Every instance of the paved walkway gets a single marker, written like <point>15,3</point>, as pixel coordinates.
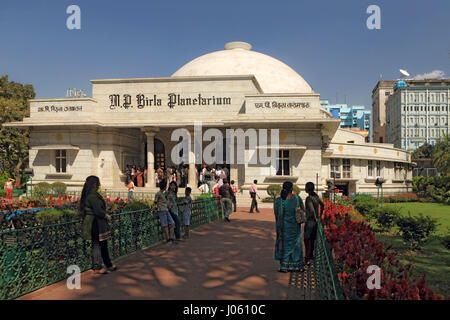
<point>220,261</point>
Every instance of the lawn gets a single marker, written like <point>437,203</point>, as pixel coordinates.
<point>434,258</point>
<point>437,211</point>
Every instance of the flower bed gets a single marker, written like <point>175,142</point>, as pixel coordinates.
<point>354,249</point>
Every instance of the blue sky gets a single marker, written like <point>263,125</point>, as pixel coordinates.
<point>327,42</point>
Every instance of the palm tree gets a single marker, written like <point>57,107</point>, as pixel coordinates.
<point>441,155</point>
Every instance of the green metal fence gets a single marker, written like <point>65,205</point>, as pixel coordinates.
<point>325,271</point>
<point>36,257</point>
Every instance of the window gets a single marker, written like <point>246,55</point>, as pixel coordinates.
<point>61,159</point>
<point>379,173</point>
<point>370,168</point>
<point>335,170</point>
<point>346,168</point>
<point>283,163</point>
<point>398,170</point>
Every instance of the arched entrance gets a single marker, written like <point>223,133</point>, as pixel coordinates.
<point>160,154</point>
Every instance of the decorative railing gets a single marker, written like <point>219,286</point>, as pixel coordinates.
<point>327,280</point>
<point>38,256</point>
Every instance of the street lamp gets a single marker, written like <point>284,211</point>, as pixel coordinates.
<point>379,183</point>
<point>29,173</point>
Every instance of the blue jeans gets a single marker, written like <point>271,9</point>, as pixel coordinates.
<point>177,224</point>
<point>130,195</point>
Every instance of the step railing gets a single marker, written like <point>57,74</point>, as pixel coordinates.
<point>36,257</point>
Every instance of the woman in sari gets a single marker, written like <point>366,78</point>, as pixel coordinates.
<point>140,178</point>
<point>288,245</point>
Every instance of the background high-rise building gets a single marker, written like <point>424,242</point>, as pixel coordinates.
<point>355,118</point>
<point>379,95</point>
<point>417,112</point>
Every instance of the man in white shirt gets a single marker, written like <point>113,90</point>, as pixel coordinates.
<point>254,193</point>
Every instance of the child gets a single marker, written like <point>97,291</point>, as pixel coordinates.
<point>187,212</point>
<point>160,205</point>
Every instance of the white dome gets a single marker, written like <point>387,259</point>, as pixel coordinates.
<point>273,75</point>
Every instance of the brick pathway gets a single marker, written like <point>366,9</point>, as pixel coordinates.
<point>220,261</point>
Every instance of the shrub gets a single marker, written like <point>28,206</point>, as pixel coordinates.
<point>364,204</point>
<point>136,205</point>
<point>296,189</point>
<point>59,188</point>
<point>416,230</point>
<point>436,188</point>
<point>55,215</point>
<point>268,199</point>
<point>446,241</point>
<point>386,217</point>
<point>42,189</point>
<point>274,190</point>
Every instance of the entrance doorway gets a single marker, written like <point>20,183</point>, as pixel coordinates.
<point>160,154</point>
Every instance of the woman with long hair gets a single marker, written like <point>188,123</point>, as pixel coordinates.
<point>95,225</point>
<point>288,245</point>
<point>313,214</point>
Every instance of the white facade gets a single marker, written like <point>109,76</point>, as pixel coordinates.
<point>235,89</point>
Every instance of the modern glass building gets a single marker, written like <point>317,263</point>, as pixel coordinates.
<point>417,112</point>
<point>355,118</point>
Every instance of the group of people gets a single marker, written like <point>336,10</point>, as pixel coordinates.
<point>95,225</point>
<point>294,246</point>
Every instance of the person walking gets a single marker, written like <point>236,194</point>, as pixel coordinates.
<point>172,205</point>
<point>187,206</point>
<point>233,196</point>
<point>160,204</point>
<point>95,225</point>
<point>253,194</point>
<point>9,188</point>
<point>314,210</point>
<point>225,193</point>
<point>288,245</point>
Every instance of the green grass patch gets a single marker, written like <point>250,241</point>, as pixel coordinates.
<point>438,211</point>
<point>433,259</point>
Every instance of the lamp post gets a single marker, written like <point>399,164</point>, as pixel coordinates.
<point>29,172</point>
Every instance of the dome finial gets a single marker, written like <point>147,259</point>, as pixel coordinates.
<point>238,45</point>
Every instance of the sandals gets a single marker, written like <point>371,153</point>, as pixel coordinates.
<point>101,271</point>
<point>112,268</point>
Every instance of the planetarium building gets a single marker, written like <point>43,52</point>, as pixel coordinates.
<point>132,121</point>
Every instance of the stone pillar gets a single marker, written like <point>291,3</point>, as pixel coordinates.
<point>192,178</point>
<point>150,159</point>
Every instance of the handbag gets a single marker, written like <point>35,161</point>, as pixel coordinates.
<point>300,214</point>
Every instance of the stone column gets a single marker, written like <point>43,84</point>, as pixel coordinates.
<point>192,178</point>
<point>150,159</point>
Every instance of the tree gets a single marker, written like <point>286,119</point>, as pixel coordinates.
<point>14,106</point>
<point>441,155</point>
<point>423,152</point>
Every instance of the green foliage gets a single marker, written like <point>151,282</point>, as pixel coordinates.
<point>423,152</point>
<point>268,199</point>
<point>55,215</point>
<point>296,189</point>
<point>204,196</point>
<point>441,155</point>
<point>364,204</point>
<point>434,188</point>
<point>14,141</point>
<point>274,190</point>
<point>385,217</point>
<point>446,241</point>
<point>136,205</point>
<point>59,188</point>
<point>42,189</point>
<point>416,230</point>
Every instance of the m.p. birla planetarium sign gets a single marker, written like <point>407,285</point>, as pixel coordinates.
<point>141,101</point>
